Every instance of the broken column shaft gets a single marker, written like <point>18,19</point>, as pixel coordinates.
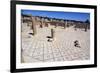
<point>52,33</point>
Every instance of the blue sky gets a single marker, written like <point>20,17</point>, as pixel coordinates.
<point>60,15</point>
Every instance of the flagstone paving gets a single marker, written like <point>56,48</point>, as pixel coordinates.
<point>37,49</point>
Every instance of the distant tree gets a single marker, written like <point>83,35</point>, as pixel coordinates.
<point>87,21</point>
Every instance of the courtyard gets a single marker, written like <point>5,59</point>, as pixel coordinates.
<point>37,48</point>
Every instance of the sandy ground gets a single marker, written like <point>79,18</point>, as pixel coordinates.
<point>37,49</point>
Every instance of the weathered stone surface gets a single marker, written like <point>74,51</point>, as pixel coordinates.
<point>38,49</point>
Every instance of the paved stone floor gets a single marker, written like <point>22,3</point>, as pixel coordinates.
<point>38,49</point>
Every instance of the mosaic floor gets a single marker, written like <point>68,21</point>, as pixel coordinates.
<point>38,49</point>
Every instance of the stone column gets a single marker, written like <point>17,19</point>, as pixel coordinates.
<point>55,25</point>
<point>85,27</point>
<point>52,34</point>
<point>65,24</point>
<point>33,25</point>
<point>28,23</point>
<point>42,23</point>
